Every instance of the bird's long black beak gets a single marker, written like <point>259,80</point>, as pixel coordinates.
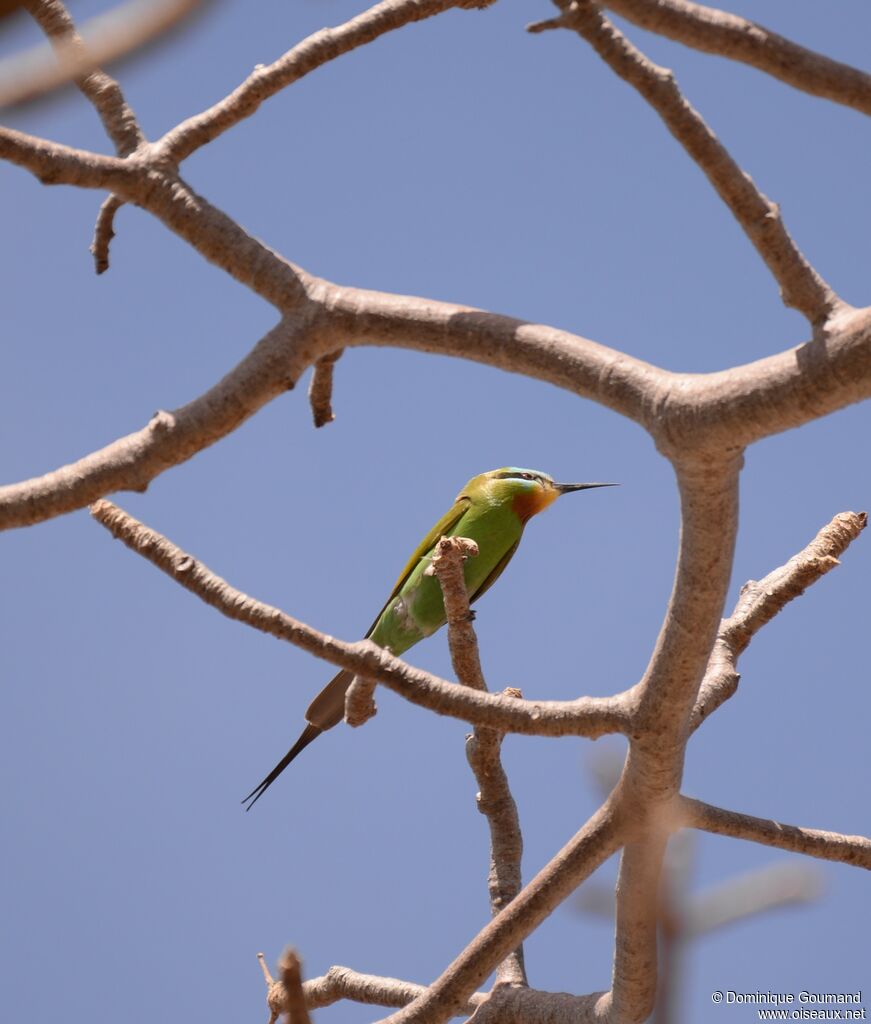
<point>567,488</point>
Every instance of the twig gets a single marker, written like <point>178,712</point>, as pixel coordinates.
<point>320,392</point>
<point>760,602</point>
<point>833,846</point>
<point>78,62</point>
<point>343,983</point>
<point>294,997</point>
<point>104,232</point>
<point>586,716</point>
<point>800,285</point>
<point>483,747</point>
<point>267,80</point>
<point>728,35</point>
<point>274,991</point>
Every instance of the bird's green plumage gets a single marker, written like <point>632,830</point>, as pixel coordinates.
<point>492,510</point>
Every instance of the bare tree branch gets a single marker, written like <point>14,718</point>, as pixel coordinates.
<point>587,716</point>
<point>833,846</point>
<point>801,286</point>
<point>728,35</point>
<point>323,46</point>
<point>591,846</point>
<point>760,602</point>
<point>447,564</point>
<point>483,747</point>
<point>109,36</point>
<point>103,92</point>
<point>343,983</point>
<point>55,164</point>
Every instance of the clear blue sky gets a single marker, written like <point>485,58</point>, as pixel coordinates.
<point>464,160</point>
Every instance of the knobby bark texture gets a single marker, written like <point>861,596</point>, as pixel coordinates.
<point>701,422</point>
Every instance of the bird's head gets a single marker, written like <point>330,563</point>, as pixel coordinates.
<point>529,491</point>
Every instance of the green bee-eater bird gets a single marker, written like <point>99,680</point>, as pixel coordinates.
<point>492,510</point>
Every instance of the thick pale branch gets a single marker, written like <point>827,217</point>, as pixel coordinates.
<point>667,693</point>
<point>586,716</point>
<point>728,35</point>
<point>317,49</point>
<point>801,287</point>
<point>760,602</point>
<point>102,90</point>
<point>357,316</point>
<point>635,972</point>
<point>55,164</point>
<point>593,844</point>
<point>131,462</point>
<point>833,846</point>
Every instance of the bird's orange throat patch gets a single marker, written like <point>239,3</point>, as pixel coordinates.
<point>534,501</point>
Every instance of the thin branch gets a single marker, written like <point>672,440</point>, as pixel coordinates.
<point>76,62</point>
<point>760,602</point>
<point>599,838</point>
<point>295,1007</point>
<point>266,80</point>
<point>447,565</point>
<point>587,716</point>
<point>320,392</point>
<point>343,983</point>
<point>855,850</point>
<point>728,35</point>
<point>104,232</point>
<point>800,285</point>
<point>483,747</point>
<point>109,36</point>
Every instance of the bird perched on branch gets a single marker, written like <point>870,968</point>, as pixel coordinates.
<point>492,510</point>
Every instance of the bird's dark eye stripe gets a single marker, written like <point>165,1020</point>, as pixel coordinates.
<point>519,476</point>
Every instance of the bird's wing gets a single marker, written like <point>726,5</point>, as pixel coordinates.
<point>443,527</point>
<point>498,569</point>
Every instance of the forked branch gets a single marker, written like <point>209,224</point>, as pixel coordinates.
<point>801,286</point>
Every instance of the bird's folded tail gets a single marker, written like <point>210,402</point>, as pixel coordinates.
<point>325,711</point>
<point>311,732</point>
